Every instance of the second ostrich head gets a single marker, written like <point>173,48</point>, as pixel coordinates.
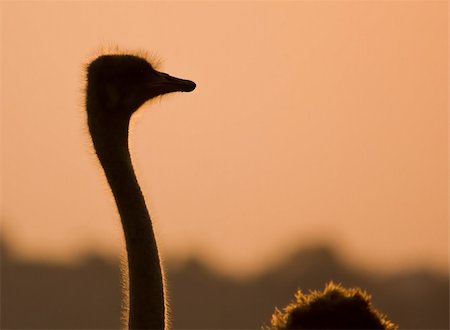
<point>119,84</point>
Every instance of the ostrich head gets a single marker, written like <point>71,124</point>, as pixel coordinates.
<point>119,84</point>
<point>334,308</point>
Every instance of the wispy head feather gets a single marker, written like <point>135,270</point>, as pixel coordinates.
<point>113,49</point>
<point>334,308</point>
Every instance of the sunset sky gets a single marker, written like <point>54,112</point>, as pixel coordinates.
<point>311,122</point>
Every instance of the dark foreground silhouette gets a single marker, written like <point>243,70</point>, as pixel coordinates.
<point>335,307</point>
<point>87,295</point>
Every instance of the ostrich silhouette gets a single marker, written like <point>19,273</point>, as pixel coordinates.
<point>335,307</point>
<point>117,85</point>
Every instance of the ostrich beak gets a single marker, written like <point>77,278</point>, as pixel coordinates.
<point>167,84</point>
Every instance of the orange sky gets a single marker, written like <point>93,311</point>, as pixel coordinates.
<point>310,121</point>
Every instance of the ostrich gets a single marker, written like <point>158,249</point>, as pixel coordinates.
<point>117,85</point>
<point>335,307</point>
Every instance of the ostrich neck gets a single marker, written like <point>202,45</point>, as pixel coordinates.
<point>146,293</point>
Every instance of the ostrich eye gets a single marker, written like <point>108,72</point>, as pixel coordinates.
<point>139,74</point>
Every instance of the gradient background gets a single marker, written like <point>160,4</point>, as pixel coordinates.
<point>311,121</point>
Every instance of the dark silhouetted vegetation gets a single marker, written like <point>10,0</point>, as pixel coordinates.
<point>88,294</point>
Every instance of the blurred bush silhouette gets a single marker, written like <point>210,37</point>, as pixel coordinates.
<point>87,295</point>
